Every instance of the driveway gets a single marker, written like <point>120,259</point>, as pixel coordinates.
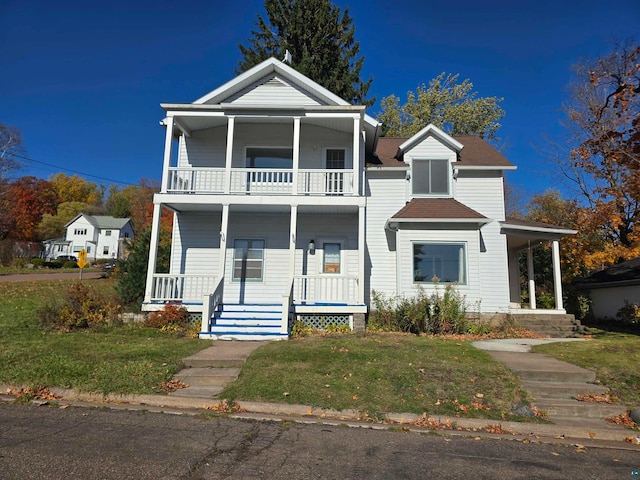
<point>25,277</point>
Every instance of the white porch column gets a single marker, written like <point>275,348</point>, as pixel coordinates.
<point>168,141</point>
<point>296,154</point>
<point>293,232</point>
<point>229,154</point>
<point>356,155</point>
<point>153,252</point>
<point>531,277</point>
<point>557,277</point>
<point>224,227</point>
<point>361,252</point>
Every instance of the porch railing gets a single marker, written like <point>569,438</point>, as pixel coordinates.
<point>168,287</point>
<point>260,181</point>
<point>330,289</point>
<point>196,180</point>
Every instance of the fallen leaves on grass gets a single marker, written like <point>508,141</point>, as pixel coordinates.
<point>173,385</point>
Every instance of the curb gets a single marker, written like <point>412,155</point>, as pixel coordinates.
<point>601,437</point>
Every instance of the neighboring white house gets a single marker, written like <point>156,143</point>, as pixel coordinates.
<point>100,236</point>
<point>288,204</point>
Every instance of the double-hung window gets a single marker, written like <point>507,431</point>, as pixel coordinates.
<point>439,262</point>
<point>248,260</point>
<point>430,177</point>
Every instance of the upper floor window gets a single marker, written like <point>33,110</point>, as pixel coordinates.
<point>107,233</point>
<point>335,158</point>
<point>80,231</point>
<point>430,177</point>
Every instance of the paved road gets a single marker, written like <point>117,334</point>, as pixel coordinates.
<point>25,277</point>
<point>79,443</point>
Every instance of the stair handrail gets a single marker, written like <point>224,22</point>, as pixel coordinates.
<point>287,299</point>
<point>210,304</point>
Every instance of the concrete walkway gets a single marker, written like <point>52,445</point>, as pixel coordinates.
<point>553,384</point>
<point>207,372</point>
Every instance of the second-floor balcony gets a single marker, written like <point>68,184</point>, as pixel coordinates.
<point>260,181</point>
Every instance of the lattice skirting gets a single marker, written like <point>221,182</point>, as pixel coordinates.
<point>321,322</point>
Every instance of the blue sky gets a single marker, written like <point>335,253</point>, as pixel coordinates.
<point>83,82</point>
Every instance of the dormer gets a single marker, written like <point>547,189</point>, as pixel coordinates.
<point>431,156</point>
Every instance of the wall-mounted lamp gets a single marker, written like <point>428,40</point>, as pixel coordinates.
<point>312,246</point>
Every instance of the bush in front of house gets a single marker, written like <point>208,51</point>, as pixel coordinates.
<point>81,307</point>
<point>442,312</point>
<point>172,318</point>
<point>629,314</point>
<point>37,262</point>
<point>70,264</point>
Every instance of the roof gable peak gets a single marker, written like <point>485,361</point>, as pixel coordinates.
<point>432,130</point>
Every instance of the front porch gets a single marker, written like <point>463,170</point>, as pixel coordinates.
<point>252,268</point>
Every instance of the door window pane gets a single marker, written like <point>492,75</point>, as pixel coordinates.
<point>331,258</point>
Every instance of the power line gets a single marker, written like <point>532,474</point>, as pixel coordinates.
<point>73,171</point>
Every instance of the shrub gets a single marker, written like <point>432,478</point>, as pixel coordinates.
<point>53,264</point>
<point>82,307</point>
<point>447,312</point>
<point>70,264</point>
<point>629,314</point>
<point>37,262</point>
<point>172,318</point>
<point>440,313</point>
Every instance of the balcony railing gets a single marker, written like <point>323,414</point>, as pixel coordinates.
<point>329,289</point>
<point>168,287</point>
<point>260,181</point>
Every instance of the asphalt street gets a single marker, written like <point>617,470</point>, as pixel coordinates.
<point>50,442</point>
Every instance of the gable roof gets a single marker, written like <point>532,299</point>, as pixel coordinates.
<point>437,210</point>
<point>475,153</point>
<point>431,131</point>
<point>101,221</point>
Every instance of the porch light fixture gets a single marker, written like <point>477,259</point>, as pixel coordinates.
<point>312,246</point>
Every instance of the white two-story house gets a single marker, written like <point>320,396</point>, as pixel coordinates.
<point>100,236</point>
<point>289,205</point>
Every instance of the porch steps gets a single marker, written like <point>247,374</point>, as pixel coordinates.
<point>550,325</point>
<point>247,322</point>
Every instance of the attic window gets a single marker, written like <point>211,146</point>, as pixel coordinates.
<point>430,177</point>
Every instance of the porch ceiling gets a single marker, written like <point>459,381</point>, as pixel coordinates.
<point>262,208</point>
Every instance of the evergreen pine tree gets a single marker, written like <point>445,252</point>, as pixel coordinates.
<point>320,40</point>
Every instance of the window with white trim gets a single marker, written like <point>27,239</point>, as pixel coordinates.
<point>248,260</point>
<point>430,177</point>
<point>107,233</point>
<point>105,250</point>
<point>439,262</point>
<point>80,231</point>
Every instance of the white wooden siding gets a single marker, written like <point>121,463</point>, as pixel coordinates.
<point>386,196</point>
<point>196,244</point>
<point>406,237</point>
<point>482,191</point>
<point>274,229</point>
<point>272,91</point>
<point>204,148</point>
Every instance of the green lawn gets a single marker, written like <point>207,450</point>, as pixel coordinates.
<point>615,357</point>
<point>125,359</point>
<point>380,373</point>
